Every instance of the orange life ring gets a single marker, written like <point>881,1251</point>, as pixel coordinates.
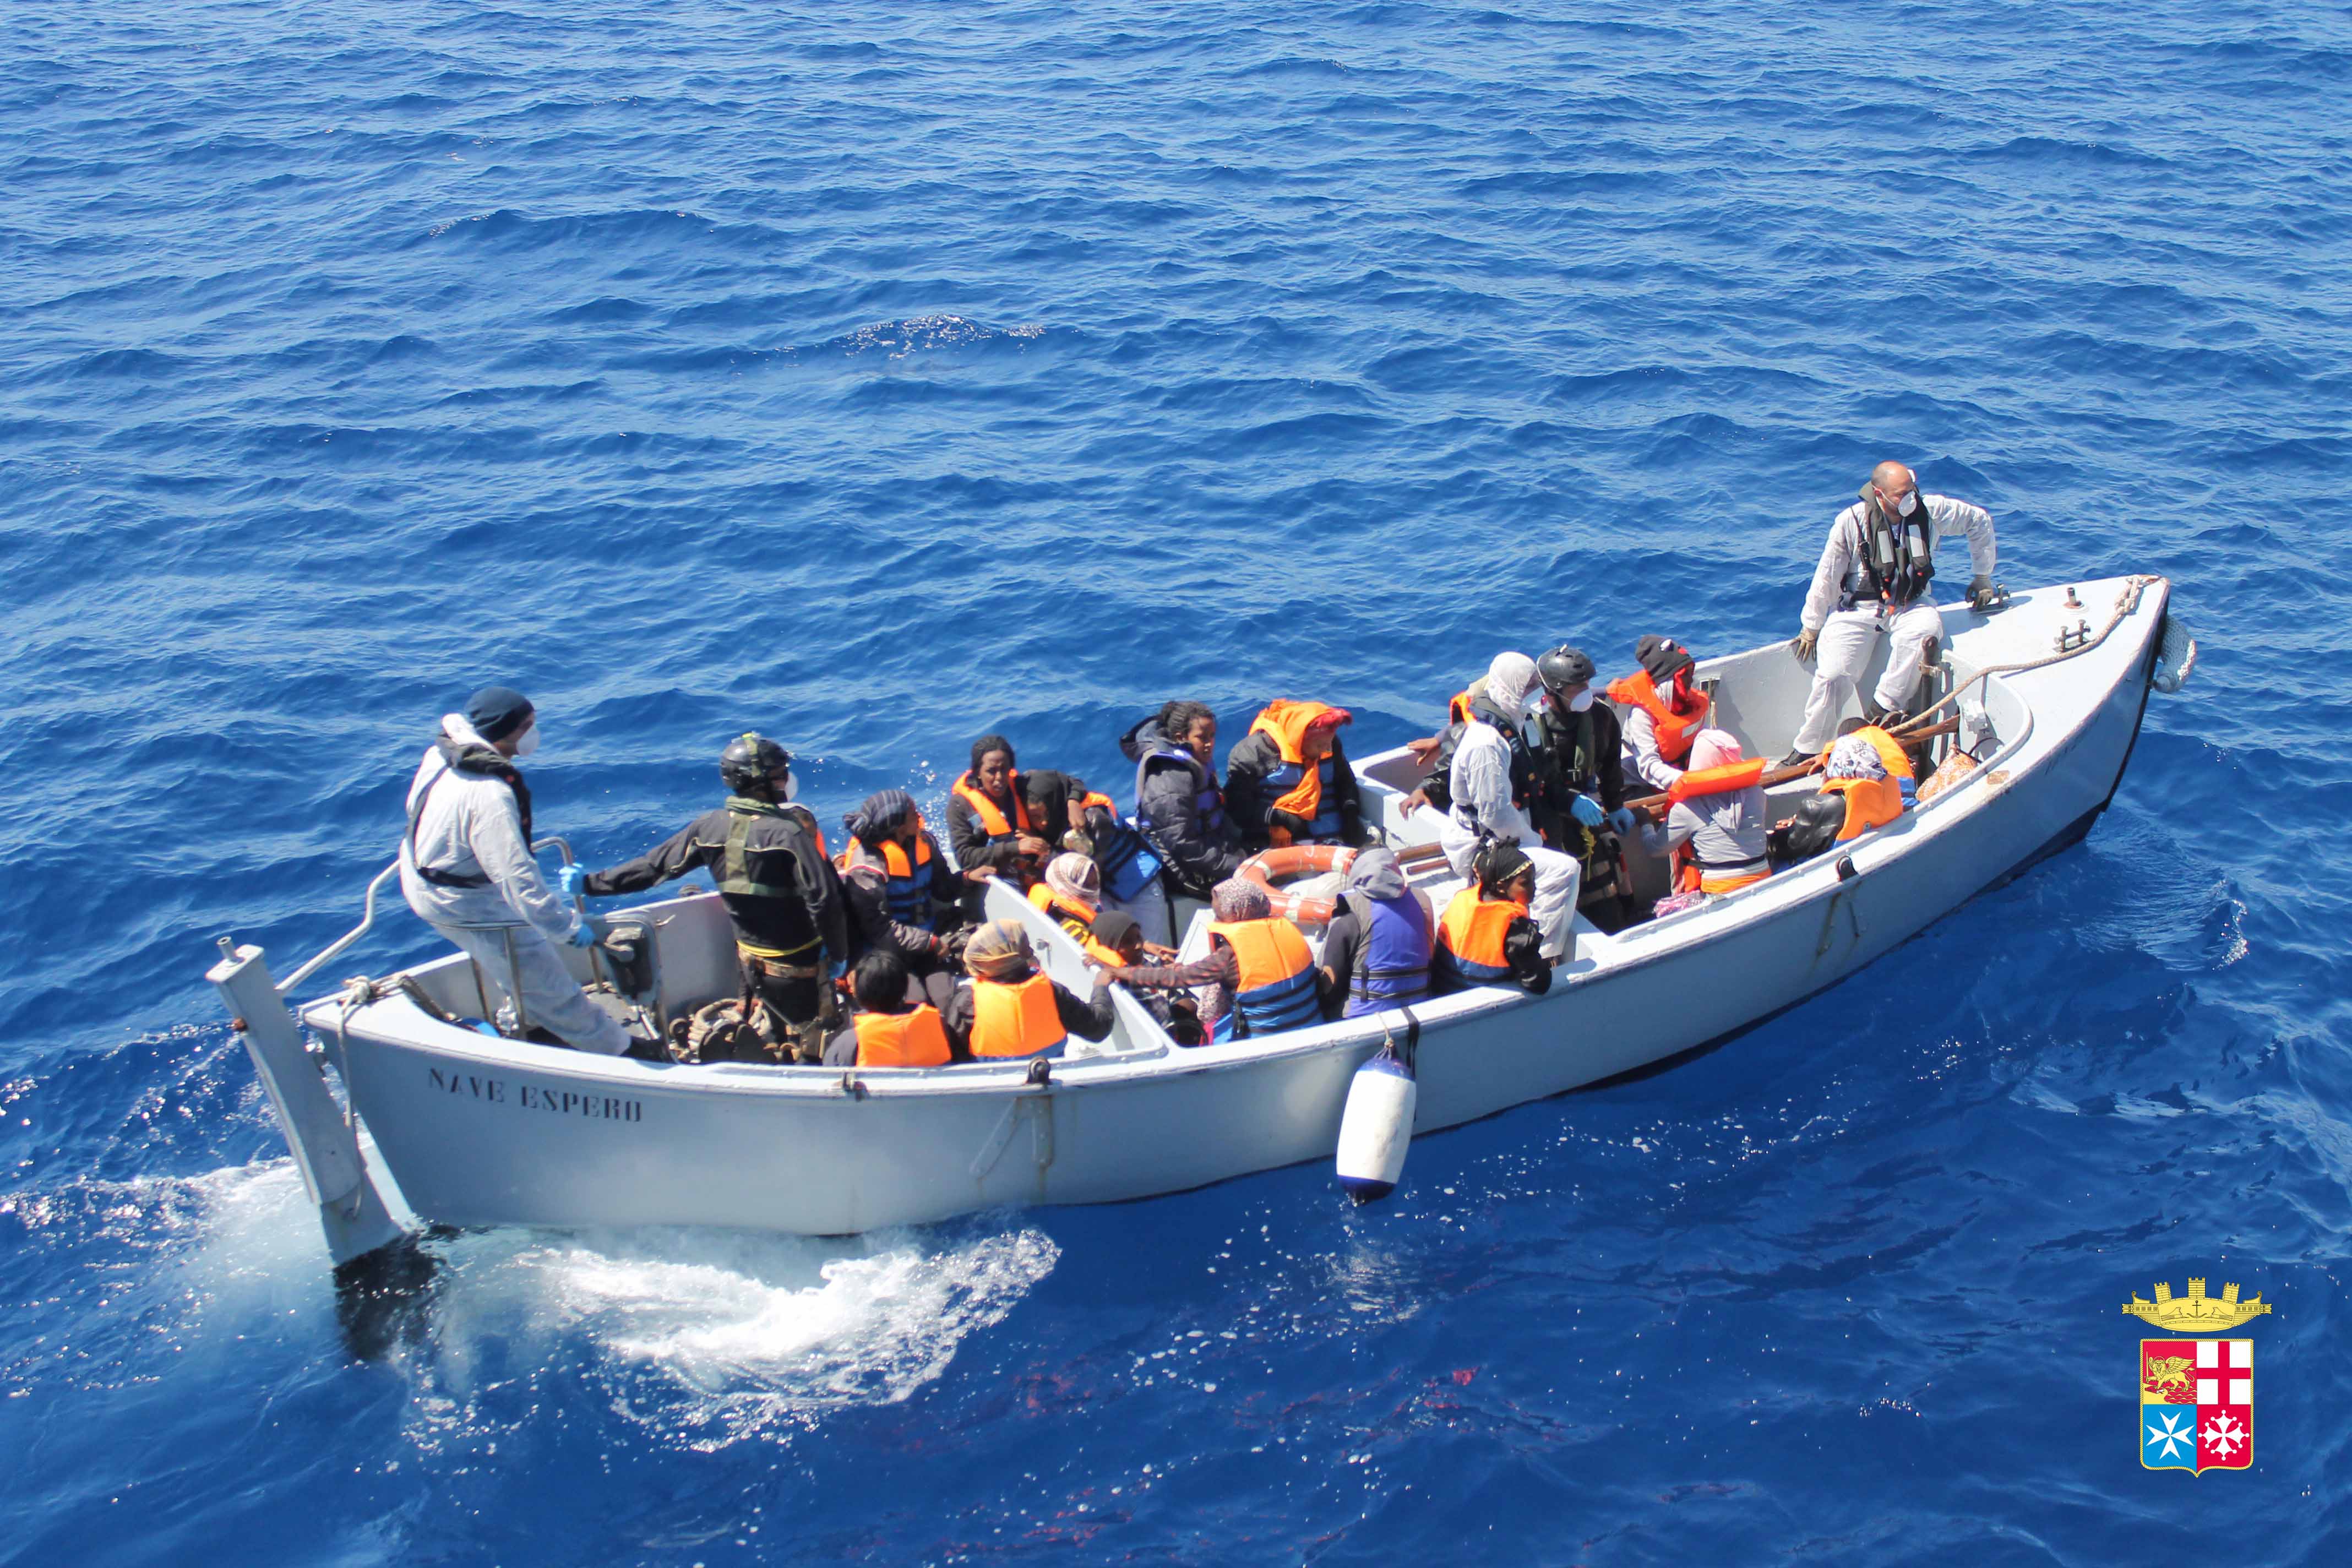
<point>1297,860</point>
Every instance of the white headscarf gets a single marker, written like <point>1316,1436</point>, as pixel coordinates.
<point>1713,749</point>
<point>1509,678</point>
<point>1853,758</point>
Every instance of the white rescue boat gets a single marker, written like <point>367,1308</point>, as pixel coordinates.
<point>475,1129</point>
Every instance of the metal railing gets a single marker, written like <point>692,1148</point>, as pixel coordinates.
<point>367,917</point>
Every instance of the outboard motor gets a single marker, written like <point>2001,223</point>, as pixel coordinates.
<point>1376,1129</point>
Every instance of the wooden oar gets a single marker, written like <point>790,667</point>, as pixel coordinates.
<point>1656,806</point>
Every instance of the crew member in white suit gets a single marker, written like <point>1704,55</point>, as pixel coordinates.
<point>1491,782</point>
<point>467,869</point>
<point>1872,582</point>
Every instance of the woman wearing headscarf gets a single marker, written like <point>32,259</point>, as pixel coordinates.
<point>1491,783</point>
<point>1070,817</point>
<point>1010,1009</point>
<point>1485,937</point>
<point>1716,819</point>
<point>1176,1011</point>
<point>1259,976</point>
<point>902,894</point>
<point>1070,893</point>
<point>1377,948</point>
<point>989,826</point>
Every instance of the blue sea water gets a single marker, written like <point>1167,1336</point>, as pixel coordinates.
<point>879,375</point>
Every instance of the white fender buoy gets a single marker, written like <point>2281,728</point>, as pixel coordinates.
<point>1376,1129</point>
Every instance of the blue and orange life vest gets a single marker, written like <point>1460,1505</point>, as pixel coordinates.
<point>1470,937</point>
<point>1128,865</point>
<point>1291,786</point>
<point>999,827</point>
<point>907,886</point>
<point>1393,953</point>
<point>1015,1019</point>
<point>1275,988</point>
<point>915,1039</point>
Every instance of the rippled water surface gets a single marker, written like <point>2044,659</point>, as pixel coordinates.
<point>877,376</point>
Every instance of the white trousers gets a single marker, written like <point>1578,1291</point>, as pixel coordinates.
<point>1848,638</point>
<point>1149,909</point>
<point>552,999</point>
<point>1557,875</point>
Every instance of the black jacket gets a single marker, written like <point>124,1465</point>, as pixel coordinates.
<point>1198,854</point>
<point>1251,806</point>
<point>1558,780</point>
<point>780,850</point>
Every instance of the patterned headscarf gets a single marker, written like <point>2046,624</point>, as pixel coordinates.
<point>1854,758</point>
<point>998,951</point>
<point>1075,876</point>
<point>1235,899</point>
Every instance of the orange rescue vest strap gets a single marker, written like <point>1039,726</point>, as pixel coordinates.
<point>993,820</point>
<point>1017,1020</point>
<point>915,1039</point>
<point>1675,731</point>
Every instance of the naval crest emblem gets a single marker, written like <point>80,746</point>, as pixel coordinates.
<point>2197,1313</point>
<point>2197,1396</point>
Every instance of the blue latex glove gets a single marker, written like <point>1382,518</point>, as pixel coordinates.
<point>1621,822</point>
<point>570,880</point>
<point>586,933</point>
<point>1587,811</point>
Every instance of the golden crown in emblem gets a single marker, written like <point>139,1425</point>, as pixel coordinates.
<point>2197,1312</point>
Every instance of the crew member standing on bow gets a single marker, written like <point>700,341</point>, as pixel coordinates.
<point>1491,783</point>
<point>1663,711</point>
<point>901,893</point>
<point>989,826</point>
<point>466,868</point>
<point>1288,782</point>
<point>1177,802</point>
<point>1578,747</point>
<point>1715,818</point>
<point>790,933</point>
<point>1873,581</point>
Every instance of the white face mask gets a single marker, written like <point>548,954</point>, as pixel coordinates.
<point>528,741</point>
<point>791,786</point>
<point>1580,701</point>
<point>1909,504</point>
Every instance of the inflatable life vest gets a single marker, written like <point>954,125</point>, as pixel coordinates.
<point>1275,986</point>
<point>915,1039</point>
<point>1874,802</point>
<point>1077,919</point>
<point>1693,875</point>
<point>1894,559</point>
<point>1303,792</point>
<point>1470,938</point>
<point>1674,729</point>
<point>1015,1020</point>
<point>1128,865</point>
<point>993,821</point>
<point>1392,955</point>
<point>907,886</point>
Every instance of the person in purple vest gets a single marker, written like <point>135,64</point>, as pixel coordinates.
<point>1376,950</point>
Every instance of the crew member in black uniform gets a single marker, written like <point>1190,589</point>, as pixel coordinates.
<point>791,934</point>
<point>1576,746</point>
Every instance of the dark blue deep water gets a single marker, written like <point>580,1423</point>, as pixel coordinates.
<point>879,374</point>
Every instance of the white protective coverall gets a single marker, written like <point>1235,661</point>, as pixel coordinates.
<point>472,826</point>
<point>1848,636</point>
<point>1480,782</point>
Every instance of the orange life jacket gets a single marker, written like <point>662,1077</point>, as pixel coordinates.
<point>1470,938</point>
<point>1691,876</point>
<point>1078,919</point>
<point>915,1039</point>
<point>1674,729</point>
<point>908,882</point>
<point>1273,988</point>
<point>993,821</point>
<point>1288,723</point>
<point>1015,1020</point>
<point>1457,708</point>
<point>1872,803</point>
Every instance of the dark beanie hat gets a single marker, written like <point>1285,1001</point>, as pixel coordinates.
<point>1661,657</point>
<point>497,712</point>
<point>1112,926</point>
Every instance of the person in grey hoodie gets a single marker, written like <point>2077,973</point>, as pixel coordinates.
<point>1177,801</point>
<point>466,868</point>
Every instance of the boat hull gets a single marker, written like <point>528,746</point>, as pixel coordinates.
<point>480,1131</point>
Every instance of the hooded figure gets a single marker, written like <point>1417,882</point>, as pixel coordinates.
<point>1718,811</point>
<point>1178,805</point>
<point>465,868</point>
<point>1377,949</point>
<point>1491,784</point>
<point>1663,709</point>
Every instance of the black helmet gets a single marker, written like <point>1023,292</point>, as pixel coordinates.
<point>749,761</point>
<point>1563,667</point>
